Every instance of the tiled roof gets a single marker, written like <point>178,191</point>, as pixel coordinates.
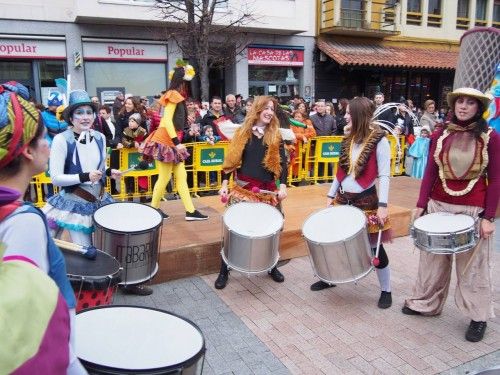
<point>349,54</point>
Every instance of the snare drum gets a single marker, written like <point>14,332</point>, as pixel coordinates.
<point>138,340</point>
<point>94,281</point>
<point>131,233</point>
<point>445,233</point>
<point>251,237</point>
<point>338,244</point>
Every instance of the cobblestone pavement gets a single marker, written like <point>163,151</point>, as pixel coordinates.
<point>231,347</point>
<point>256,326</point>
<point>341,330</point>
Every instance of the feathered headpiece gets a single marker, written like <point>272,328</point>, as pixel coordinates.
<point>189,72</point>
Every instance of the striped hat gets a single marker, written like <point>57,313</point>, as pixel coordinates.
<point>18,121</point>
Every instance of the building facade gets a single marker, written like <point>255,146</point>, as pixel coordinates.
<point>106,46</point>
<point>403,48</point>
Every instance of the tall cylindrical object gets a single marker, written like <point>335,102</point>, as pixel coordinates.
<point>478,58</point>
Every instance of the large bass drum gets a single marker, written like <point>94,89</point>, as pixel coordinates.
<point>251,237</point>
<point>131,233</point>
<point>138,340</point>
<point>338,244</point>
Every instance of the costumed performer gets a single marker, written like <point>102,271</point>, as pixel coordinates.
<point>257,157</point>
<point>164,146</point>
<point>462,177</point>
<point>78,165</point>
<point>364,157</point>
<point>24,153</point>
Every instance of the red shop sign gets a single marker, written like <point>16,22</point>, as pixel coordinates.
<point>275,56</point>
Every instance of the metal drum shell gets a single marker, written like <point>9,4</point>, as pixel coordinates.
<point>445,242</point>
<point>343,261</point>
<point>251,254</point>
<point>137,251</point>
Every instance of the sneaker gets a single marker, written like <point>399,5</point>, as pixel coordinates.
<point>385,300</point>
<point>320,285</point>
<point>163,214</point>
<point>276,275</point>
<point>407,311</point>
<point>138,290</point>
<point>196,215</point>
<point>475,332</point>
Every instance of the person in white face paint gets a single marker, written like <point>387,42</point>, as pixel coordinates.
<point>78,166</point>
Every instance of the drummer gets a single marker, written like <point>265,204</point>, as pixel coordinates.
<point>257,156</point>
<point>24,153</point>
<point>78,166</point>
<point>364,156</point>
<point>462,177</point>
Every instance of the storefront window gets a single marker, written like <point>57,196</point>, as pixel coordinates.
<point>273,80</point>
<point>137,78</point>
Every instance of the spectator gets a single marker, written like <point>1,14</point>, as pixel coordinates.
<point>213,114</point>
<point>343,103</point>
<point>429,118</point>
<point>106,126</point>
<point>205,106</point>
<point>130,107</point>
<point>296,100</point>
<point>232,111</point>
<point>134,133</point>
<point>404,120</point>
<point>117,105</point>
<point>419,151</point>
<point>49,116</point>
<point>209,136</point>
<point>387,117</point>
<point>239,100</point>
<point>95,100</point>
<point>323,123</point>
<point>330,110</point>
<point>302,136</point>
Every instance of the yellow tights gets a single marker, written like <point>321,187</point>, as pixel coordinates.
<point>165,173</point>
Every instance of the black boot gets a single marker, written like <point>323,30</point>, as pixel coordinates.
<point>320,285</point>
<point>221,281</point>
<point>475,332</point>
<point>276,275</point>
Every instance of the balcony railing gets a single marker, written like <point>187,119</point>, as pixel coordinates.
<point>434,20</point>
<point>463,23</point>
<point>367,17</point>
<point>414,18</point>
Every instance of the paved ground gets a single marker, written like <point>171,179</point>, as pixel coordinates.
<point>256,326</point>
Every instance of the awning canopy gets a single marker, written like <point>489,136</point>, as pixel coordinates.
<point>365,54</point>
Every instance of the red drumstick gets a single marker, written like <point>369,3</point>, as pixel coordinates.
<point>223,198</point>
<point>375,260</point>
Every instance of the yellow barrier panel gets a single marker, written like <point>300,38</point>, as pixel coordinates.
<point>315,161</point>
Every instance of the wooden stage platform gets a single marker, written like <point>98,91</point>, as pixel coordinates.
<point>193,248</point>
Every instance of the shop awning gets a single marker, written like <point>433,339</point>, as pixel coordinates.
<point>364,54</point>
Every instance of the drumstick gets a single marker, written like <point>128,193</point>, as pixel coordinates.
<point>375,260</point>
<point>472,255</point>
<point>89,252</point>
<point>139,167</point>
<point>256,190</point>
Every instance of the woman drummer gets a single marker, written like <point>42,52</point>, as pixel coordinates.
<point>364,157</point>
<point>462,177</point>
<point>24,153</point>
<point>257,154</point>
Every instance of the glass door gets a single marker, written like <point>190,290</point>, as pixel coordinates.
<point>20,71</point>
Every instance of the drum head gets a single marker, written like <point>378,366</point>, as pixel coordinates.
<point>127,217</point>
<point>103,269</point>
<point>253,219</point>
<point>443,222</point>
<point>136,338</point>
<point>334,224</point>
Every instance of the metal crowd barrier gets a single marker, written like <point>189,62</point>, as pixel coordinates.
<point>313,162</point>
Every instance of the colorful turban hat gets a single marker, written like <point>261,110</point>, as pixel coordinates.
<point>18,121</point>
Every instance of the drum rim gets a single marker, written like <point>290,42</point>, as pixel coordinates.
<point>189,362</point>
<point>331,242</point>
<point>86,280</point>
<point>97,225</point>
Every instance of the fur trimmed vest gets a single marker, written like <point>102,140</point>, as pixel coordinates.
<point>233,157</point>
<point>365,169</point>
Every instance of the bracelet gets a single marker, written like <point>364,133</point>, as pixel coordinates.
<point>490,219</point>
<point>329,196</point>
<point>382,204</point>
